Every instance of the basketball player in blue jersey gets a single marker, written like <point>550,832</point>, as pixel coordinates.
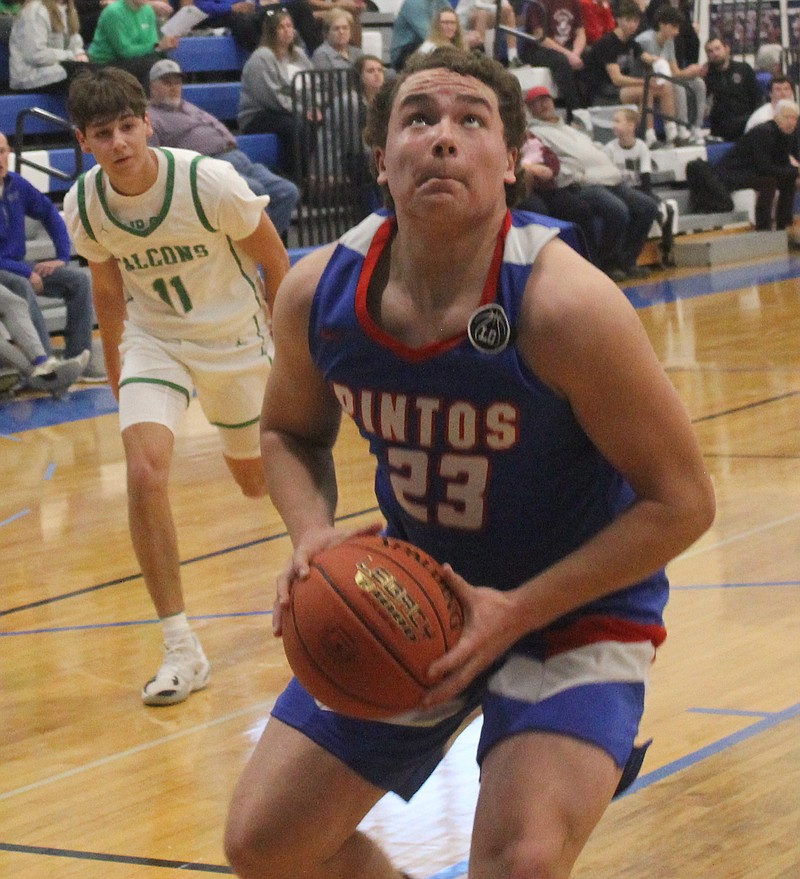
<point>174,241</point>
<point>526,435</point>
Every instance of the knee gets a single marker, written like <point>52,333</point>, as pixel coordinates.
<point>534,859</point>
<point>253,851</point>
<point>147,474</point>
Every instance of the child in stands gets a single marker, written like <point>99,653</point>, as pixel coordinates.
<point>632,156</point>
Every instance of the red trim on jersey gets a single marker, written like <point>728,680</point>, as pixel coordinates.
<point>415,355</point>
<point>592,629</point>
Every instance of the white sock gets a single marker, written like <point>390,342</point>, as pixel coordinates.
<point>512,53</point>
<point>650,137</point>
<point>175,628</point>
<point>671,131</point>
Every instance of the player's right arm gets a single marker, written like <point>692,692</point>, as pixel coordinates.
<point>299,425</point>
<point>109,305</point>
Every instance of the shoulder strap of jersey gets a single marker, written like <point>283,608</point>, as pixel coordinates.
<point>198,205</point>
<point>83,213</point>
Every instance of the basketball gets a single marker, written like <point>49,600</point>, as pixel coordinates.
<point>365,625</point>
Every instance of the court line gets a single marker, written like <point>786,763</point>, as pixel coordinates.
<point>16,516</point>
<point>200,558</point>
<point>138,749</point>
<point>754,585</point>
<point>692,552</point>
<point>767,721</point>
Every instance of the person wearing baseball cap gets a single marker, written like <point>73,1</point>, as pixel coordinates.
<point>183,125</point>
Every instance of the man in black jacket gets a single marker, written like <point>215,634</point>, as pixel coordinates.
<point>762,160</point>
<point>734,90</point>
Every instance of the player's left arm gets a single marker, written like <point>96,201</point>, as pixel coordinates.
<point>582,338</point>
<point>265,247</point>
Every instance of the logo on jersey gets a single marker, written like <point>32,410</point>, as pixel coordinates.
<point>489,330</point>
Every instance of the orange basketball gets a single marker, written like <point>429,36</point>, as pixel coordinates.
<point>365,625</point>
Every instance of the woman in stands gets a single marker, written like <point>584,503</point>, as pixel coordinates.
<point>337,51</point>
<point>45,47</point>
<point>445,31</point>
<point>265,100</point>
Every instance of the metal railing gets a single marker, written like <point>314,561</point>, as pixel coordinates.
<point>19,144</point>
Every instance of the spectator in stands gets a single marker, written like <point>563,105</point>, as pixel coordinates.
<point>22,349</point>
<point>127,36</point>
<point>320,8</point>
<point>445,30</point>
<point>780,89</point>
<point>179,123</point>
<point>544,194</point>
<point>627,214</point>
<point>761,159</point>
<point>89,14</point>
<point>411,28</point>
<point>612,73</point>
<point>265,101</point>
<point>733,88</point>
<point>687,43</point>
<point>660,43</point>
<point>53,278</point>
<point>557,26</point>
<point>769,59</point>
<point>632,156</point>
<point>8,15</point>
<point>337,50</point>
<point>373,75</point>
<point>46,47</point>
<point>598,19</point>
<point>368,194</point>
<point>477,16</point>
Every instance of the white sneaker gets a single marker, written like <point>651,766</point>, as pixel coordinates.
<point>184,670</point>
<point>55,376</point>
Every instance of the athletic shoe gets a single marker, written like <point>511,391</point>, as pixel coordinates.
<point>184,670</point>
<point>55,376</point>
<point>95,372</point>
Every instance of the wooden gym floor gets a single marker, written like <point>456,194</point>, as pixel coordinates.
<point>94,785</point>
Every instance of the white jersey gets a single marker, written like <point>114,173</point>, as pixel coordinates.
<point>184,275</point>
<point>632,161</point>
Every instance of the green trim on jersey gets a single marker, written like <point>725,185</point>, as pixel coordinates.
<point>83,213</point>
<point>249,423</point>
<point>198,206</point>
<point>157,381</point>
<point>156,221</point>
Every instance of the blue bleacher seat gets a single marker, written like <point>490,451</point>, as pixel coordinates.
<point>12,105</point>
<point>263,148</point>
<point>209,54</point>
<point>221,99</point>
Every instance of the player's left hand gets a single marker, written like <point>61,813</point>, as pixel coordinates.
<point>487,634</point>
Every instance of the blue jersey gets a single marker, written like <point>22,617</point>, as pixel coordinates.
<point>478,461</point>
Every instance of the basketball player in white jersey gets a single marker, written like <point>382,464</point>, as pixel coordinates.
<point>174,241</point>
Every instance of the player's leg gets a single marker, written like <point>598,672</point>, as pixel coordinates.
<point>295,811</point>
<point>249,475</point>
<point>541,796</point>
<point>155,390</point>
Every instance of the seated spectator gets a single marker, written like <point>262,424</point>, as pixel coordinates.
<point>627,214</point>
<point>411,28</point>
<point>687,43</point>
<point>181,124</point>
<point>780,89</point>
<point>21,349</point>
<point>89,14</point>
<point>265,99</point>
<point>769,59</point>
<point>544,194</point>
<point>46,47</point>
<point>733,88</point>
<point>445,30</point>
<point>660,43</point>
<point>632,156</point>
<point>337,50</point>
<point>761,159</point>
<point>477,16</point>
<point>127,36</point>
<point>372,76</point>
<point>8,15</point>
<point>558,28</point>
<point>598,19</point>
<point>53,278</point>
<point>612,75</point>
<point>320,8</point>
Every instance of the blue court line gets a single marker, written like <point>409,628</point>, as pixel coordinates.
<point>759,585</point>
<point>767,722</point>
<point>21,415</point>
<point>13,439</point>
<point>200,558</point>
<point>121,624</point>
<point>48,473</point>
<point>16,516</point>
<point>730,712</point>
<point>712,281</point>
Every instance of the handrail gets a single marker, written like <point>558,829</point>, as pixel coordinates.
<point>691,103</point>
<point>59,122</point>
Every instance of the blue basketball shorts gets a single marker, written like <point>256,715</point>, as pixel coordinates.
<point>593,692</point>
